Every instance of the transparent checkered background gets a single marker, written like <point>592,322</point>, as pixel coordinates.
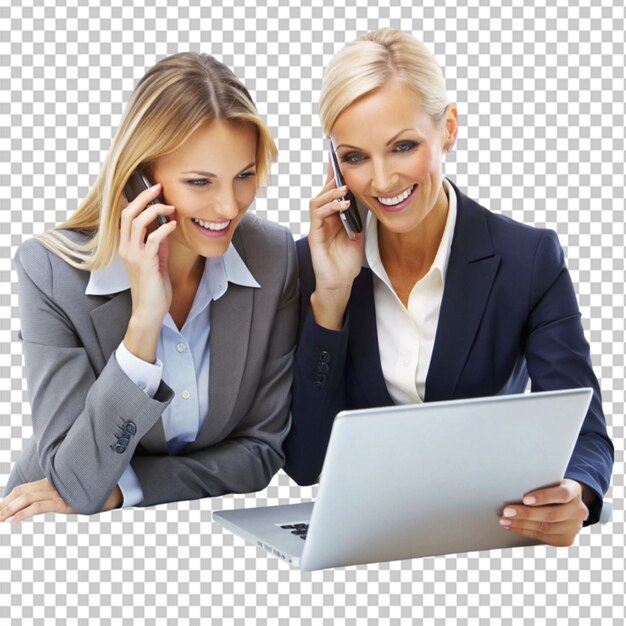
<point>540,93</point>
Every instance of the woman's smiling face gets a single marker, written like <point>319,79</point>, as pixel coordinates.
<point>211,181</point>
<point>390,151</point>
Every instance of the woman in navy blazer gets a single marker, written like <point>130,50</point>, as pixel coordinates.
<point>491,299</point>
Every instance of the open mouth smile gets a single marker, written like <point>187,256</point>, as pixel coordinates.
<point>397,202</point>
<point>211,229</point>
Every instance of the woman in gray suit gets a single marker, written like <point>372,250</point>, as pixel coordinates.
<point>158,355</point>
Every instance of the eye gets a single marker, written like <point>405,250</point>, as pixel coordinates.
<point>245,175</point>
<point>199,182</point>
<point>406,146</point>
<point>352,158</point>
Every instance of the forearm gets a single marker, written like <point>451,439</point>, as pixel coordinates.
<point>318,395</point>
<point>328,307</point>
<point>238,465</point>
<point>78,440</point>
<point>590,465</point>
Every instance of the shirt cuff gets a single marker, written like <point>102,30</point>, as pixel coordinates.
<point>147,376</point>
<point>129,484</point>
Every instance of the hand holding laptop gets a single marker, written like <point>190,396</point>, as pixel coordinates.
<point>553,516</point>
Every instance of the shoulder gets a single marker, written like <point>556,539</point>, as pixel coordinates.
<point>269,252</point>
<point>508,237</point>
<point>258,238</point>
<point>253,227</point>
<point>44,267</point>
<point>36,249</point>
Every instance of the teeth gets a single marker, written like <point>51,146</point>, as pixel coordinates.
<point>397,199</point>
<point>211,225</point>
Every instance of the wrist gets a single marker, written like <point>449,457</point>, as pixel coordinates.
<point>588,496</point>
<point>141,339</point>
<point>115,500</point>
<point>328,307</point>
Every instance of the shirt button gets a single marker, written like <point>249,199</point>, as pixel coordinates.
<point>185,394</point>
<point>181,347</point>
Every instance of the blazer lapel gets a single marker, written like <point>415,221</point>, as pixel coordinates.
<point>231,322</point>
<point>110,322</point>
<point>471,271</point>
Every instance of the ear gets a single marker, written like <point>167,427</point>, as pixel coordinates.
<point>451,127</point>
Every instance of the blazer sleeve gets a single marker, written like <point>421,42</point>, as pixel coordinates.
<point>558,357</point>
<point>86,425</point>
<point>319,383</point>
<point>247,459</point>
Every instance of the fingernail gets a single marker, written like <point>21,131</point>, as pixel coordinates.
<point>509,512</point>
<point>154,187</point>
<point>529,500</point>
<point>505,522</point>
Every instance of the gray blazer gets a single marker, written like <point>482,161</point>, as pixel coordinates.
<point>82,402</point>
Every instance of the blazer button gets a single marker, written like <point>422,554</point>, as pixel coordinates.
<point>130,428</point>
<point>322,366</point>
<point>123,441</point>
<point>120,449</point>
<point>320,378</point>
<point>325,356</point>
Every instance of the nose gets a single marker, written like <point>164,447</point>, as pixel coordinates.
<point>226,205</point>
<point>383,178</point>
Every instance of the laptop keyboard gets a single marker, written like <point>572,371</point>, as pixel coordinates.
<point>299,529</point>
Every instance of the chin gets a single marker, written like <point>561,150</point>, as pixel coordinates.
<point>214,249</point>
<point>401,227</point>
<point>401,222</point>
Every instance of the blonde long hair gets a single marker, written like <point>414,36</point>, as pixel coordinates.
<point>371,61</point>
<point>169,103</point>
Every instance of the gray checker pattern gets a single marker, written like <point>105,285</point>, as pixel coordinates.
<point>540,92</point>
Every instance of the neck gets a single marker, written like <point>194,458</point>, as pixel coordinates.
<point>185,268</point>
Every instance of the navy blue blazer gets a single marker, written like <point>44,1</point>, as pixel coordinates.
<point>509,312</point>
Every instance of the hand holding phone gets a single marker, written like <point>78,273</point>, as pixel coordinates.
<point>350,217</point>
<point>150,284</point>
<point>137,183</point>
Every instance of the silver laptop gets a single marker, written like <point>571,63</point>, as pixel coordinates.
<point>421,480</point>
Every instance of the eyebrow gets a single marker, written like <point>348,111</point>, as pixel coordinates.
<point>211,175</point>
<point>345,145</point>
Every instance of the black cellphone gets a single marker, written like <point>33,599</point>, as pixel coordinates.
<point>350,217</point>
<point>137,183</point>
